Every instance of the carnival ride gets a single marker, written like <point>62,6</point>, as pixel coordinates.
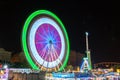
<point>45,41</point>
<point>86,64</point>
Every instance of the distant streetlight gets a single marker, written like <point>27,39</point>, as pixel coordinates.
<point>5,66</point>
<point>86,33</point>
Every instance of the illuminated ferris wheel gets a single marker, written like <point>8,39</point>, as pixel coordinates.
<point>45,41</point>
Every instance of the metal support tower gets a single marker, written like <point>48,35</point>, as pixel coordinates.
<point>88,52</point>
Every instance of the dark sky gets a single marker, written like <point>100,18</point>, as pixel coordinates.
<point>100,19</point>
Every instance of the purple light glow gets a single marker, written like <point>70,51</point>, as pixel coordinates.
<point>48,42</point>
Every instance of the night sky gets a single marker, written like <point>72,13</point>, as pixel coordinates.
<point>100,19</point>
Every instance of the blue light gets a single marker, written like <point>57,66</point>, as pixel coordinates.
<point>63,75</point>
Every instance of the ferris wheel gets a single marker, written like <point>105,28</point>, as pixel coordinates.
<point>45,41</point>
